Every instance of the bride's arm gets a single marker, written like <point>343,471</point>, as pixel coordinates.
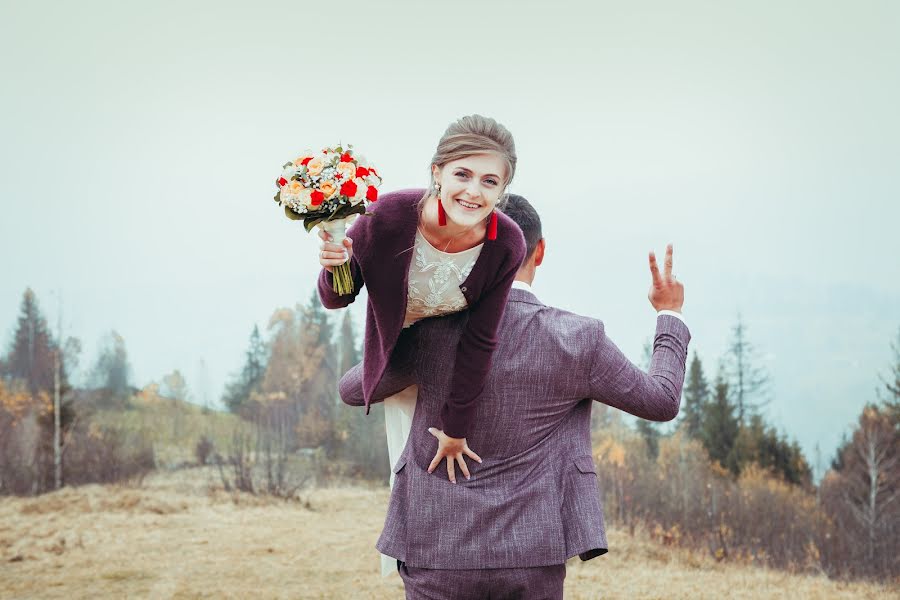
<point>358,237</point>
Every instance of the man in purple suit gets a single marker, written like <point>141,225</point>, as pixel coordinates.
<point>506,530</point>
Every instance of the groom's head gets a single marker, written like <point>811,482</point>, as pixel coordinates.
<point>520,210</point>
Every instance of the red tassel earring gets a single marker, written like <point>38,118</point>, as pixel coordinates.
<point>442,216</point>
<point>492,227</point>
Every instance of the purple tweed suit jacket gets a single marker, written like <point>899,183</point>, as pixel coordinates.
<point>534,501</point>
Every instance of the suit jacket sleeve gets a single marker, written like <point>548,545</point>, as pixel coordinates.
<point>476,346</point>
<point>655,395</point>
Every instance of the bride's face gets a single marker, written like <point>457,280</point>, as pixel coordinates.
<point>471,187</point>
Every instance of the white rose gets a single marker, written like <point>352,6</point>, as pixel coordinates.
<point>361,189</point>
<point>304,197</point>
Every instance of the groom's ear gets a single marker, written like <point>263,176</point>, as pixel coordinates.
<point>539,252</point>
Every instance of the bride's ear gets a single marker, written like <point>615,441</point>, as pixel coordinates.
<point>436,173</point>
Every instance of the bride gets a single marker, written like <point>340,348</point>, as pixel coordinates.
<point>427,253</point>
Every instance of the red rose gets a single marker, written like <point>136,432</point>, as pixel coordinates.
<point>316,198</point>
<point>345,157</point>
<point>361,171</point>
<point>348,188</point>
<point>281,182</point>
<point>372,194</point>
<point>306,160</point>
<point>374,172</point>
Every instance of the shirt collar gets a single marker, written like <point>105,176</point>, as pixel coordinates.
<point>521,285</point>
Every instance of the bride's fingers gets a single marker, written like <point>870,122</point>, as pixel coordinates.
<point>471,454</point>
<point>450,471</point>
<point>324,235</point>
<point>434,462</point>
<point>326,255</point>
<point>462,466</point>
<point>328,246</point>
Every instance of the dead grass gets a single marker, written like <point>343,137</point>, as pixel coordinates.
<point>178,536</point>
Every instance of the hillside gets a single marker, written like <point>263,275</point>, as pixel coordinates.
<point>180,536</point>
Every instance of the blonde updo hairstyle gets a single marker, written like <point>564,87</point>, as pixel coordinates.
<point>471,135</point>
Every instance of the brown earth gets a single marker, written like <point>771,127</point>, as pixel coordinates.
<point>180,536</point>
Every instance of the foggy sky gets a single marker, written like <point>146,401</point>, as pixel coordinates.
<point>140,142</point>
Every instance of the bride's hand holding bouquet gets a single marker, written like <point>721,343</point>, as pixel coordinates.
<point>327,189</point>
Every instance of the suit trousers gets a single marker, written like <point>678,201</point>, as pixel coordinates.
<point>531,583</point>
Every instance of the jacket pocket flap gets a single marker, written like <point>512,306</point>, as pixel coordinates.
<point>401,462</point>
<point>585,464</point>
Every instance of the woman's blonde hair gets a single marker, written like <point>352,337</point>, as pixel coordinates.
<point>471,135</point>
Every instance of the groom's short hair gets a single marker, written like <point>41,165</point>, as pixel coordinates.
<point>522,212</point>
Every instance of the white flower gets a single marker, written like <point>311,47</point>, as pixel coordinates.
<point>361,189</point>
<point>373,180</point>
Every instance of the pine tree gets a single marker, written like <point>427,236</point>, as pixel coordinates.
<point>237,393</point>
<point>747,381</point>
<point>31,355</point>
<point>317,321</point>
<point>112,372</point>
<point>696,395</point>
<point>649,430</point>
<point>349,351</point>
<point>891,393</point>
<point>720,427</point>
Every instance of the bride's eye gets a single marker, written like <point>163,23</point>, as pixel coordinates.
<point>462,174</point>
<point>492,181</point>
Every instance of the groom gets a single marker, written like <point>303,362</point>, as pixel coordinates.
<point>533,502</point>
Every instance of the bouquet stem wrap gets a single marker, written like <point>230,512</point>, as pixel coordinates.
<point>343,278</point>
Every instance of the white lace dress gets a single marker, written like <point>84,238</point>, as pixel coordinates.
<point>434,280</point>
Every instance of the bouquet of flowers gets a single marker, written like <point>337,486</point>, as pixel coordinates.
<point>324,188</point>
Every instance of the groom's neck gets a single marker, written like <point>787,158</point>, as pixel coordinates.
<point>526,273</point>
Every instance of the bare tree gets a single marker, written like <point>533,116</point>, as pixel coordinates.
<point>864,496</point>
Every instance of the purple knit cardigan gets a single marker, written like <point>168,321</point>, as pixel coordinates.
<point>382,252</point>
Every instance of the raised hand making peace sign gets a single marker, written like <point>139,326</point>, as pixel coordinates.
<point>665,292</point>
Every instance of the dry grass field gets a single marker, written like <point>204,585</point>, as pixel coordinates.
<point>178,536</point>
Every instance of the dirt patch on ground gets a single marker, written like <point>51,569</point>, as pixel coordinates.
<point>178,535</point>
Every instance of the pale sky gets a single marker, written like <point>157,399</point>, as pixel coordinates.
<point>140,142</point>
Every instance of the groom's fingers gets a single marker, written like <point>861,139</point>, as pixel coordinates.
<point>654,269</point>
<point>668,262</point>
<point>462,466</point>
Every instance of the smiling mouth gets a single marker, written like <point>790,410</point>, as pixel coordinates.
<point>468,205</point>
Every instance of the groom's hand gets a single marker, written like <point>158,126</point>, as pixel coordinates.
<point>665,292</point>
<point>452,449</point>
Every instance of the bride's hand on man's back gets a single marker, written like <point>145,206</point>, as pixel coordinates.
<point>332,255</point>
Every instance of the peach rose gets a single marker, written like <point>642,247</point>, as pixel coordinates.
<point>315,166</point>
<point>306,156</point>
<point>328,188</point>
<point>347,169</point>
<point>295,187</point>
